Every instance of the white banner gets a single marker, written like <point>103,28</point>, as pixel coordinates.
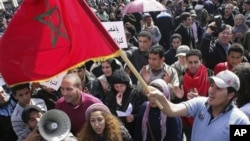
<point>55,82</point>
<point>116,31</point>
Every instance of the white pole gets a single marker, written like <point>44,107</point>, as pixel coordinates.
<point>2,5</point>
<point>15,3</point>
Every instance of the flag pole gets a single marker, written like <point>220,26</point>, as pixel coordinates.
<point>124,57</point>
<point>138,76</point>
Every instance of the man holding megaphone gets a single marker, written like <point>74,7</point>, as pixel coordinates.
<point>38,122</point>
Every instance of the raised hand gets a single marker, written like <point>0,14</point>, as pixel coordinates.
<point>145,74</point>
<point>119,98</point>
<point>179,92</point>
<point>33,136</point>
<point>193,93</point>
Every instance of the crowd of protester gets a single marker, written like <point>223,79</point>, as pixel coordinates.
<point>194,56</point>
<point>5,17</point>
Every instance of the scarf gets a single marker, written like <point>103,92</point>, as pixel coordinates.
<point>198,81</point>
<point>105,83</point>
<point>145,120</point>
<point>161,84</point>
<point>240,28</point>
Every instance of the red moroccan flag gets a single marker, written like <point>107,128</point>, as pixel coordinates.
<point>47,37</point>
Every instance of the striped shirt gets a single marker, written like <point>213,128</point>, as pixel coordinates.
<point>18,125</point>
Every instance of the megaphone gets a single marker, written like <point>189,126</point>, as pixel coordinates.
<point>54,125</point>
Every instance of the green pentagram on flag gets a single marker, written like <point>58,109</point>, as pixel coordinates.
<point>57,29</point>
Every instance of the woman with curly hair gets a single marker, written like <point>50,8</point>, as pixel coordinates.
<point>101,125</point>
<point>243,97</point>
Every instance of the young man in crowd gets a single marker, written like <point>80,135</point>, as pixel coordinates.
<point>208,112</point>
<point>22,93</point>
<point>175,40</point>
<point>195,82</point>
<point>234,57</point>
<point>31,116</point>
<point>157,69</point>
<point>139,56</point>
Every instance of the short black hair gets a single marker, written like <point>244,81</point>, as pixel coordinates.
<point>169,2</point>
<point>131,29</point>
<point>145,34</point>
<point>201,2</point>
<point>231,89</point>
<point>27,110</point>
<point>157,49</point>
<point>186,1</point>
<point>15,88</point>
<point>176,35</point>
<point>194,52</point>
<point>184,16</point>
<point>236,47</point>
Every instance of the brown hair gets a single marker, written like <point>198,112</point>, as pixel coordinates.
<point>112,131</point>
<point>243,72</point>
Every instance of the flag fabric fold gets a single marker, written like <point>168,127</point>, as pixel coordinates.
<point>47,37</point>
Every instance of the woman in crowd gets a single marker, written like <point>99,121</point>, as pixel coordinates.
<point>125,100</point>
<point>102,126</point>
<point>154,125</point>
<point>243,97</point>
<point>239,28</point>
<point>150,27</point>
<point>101,85</point>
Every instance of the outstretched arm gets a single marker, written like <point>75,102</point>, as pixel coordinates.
<point>169,108</point>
